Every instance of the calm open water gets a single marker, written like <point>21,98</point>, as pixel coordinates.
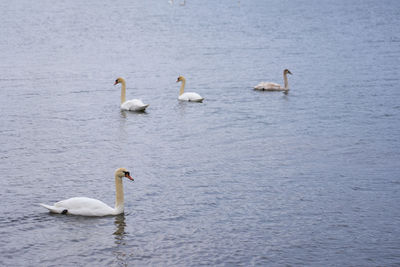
<point>245,178</point>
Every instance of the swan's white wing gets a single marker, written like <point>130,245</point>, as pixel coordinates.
<point>52,208</point>
<point>268,86</point>
<point>272,86</point>
<point>134,105</point>
<point>81,206</point>
<point>259,86</point>
<point>190,97</point>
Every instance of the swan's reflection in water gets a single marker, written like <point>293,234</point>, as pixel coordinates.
<point>121,256</point>
<point>120,230</point>
<point>123,114</point>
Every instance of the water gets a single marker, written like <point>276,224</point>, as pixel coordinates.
<point>245,178</point>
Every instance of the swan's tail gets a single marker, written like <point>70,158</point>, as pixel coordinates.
<point>53,209</point>
<point>141,108</point>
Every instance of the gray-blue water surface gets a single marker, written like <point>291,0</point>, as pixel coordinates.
<point>245,178</point>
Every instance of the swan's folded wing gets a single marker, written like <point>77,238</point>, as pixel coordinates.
<point>52,209</point>
<point>81,206</point>
<point>259,86</point>
<point>268,86</point>
<point>134,105</point>
<point>190,96</point>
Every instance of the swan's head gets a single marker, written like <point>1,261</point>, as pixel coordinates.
<point>180,79</point>
<point>119,80</point>
<point>286,71</point>
<point>122,172</point>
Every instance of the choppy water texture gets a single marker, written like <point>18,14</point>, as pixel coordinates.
<point>245,178</point>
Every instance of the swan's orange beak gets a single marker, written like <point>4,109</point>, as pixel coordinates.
<point>127,175</point>
<point>115,83</point>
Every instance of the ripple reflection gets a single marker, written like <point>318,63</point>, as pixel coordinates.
<point>120,256</point>
<point>120,230</point>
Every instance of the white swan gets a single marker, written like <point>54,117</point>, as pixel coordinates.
<point>192,97</point>
<point>85,206</point>
<point>132,105</point>
<point>268,86</point>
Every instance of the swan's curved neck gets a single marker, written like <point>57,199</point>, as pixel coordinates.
<point>123,92</point>
<point>285,80</point>
<point>181,90</point>
<point>119,195</point>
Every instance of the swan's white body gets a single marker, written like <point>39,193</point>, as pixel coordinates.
<point>131,105</point>
<point>269,86</point>
<point>189,96</point>
<point>85,206</point>
<point>134,105</point>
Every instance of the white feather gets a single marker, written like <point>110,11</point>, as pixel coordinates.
<point>83,206</point>
<point>194,97</point>
<point>134,105</point>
